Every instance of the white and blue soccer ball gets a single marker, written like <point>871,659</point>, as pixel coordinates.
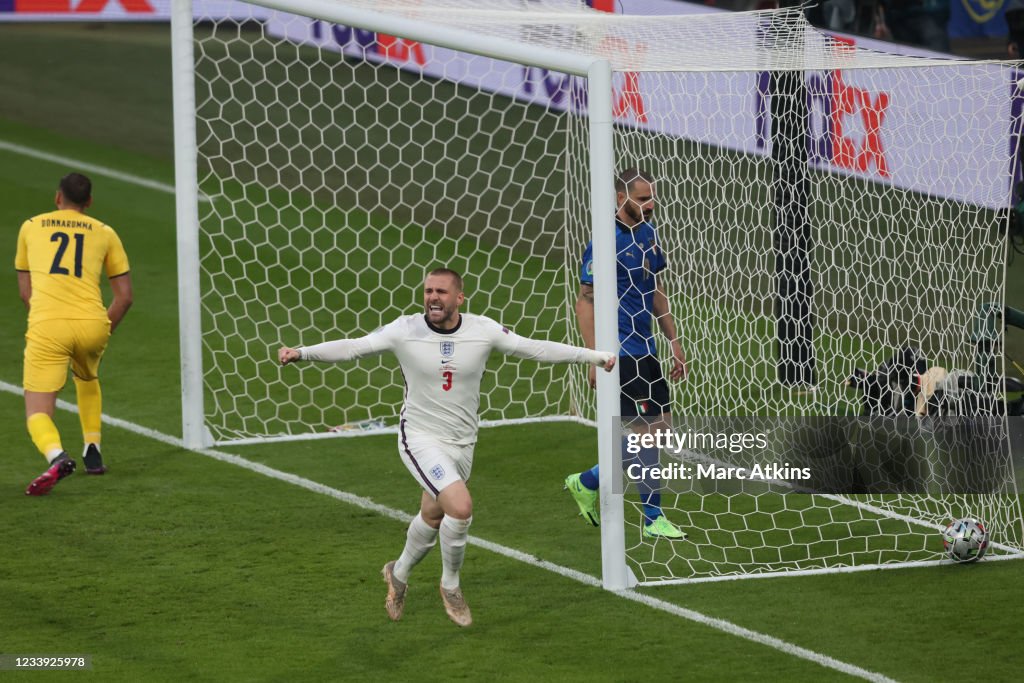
<point>965,540</point>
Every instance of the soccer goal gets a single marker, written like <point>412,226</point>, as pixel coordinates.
<point>822,208</point>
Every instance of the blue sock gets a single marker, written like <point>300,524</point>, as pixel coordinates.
<point>652,505</point>
<point>589,478</point>
<point>650,488</point>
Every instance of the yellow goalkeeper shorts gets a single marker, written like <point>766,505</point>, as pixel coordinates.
<point>50,345</point>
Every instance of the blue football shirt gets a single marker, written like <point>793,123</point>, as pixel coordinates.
<point>639,259</point>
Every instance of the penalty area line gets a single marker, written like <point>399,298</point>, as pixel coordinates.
<point>84,166</point>
<point>511,553</point>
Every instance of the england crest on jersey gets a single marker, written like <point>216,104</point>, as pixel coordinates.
<point>447,349</point>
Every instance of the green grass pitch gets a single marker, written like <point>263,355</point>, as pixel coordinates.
<point>178,567</point>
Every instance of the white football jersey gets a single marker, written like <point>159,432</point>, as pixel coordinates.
<point>443,369</point>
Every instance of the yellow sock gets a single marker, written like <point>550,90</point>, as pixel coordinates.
<point>44,435</point>
<point>90,409</point>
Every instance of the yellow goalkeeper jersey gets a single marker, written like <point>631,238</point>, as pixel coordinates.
<point>66,253</point>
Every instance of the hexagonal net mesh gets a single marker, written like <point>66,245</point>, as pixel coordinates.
<point>819,207</point>
<point>337,182</point>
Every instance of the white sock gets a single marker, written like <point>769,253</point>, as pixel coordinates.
<point>453,549</point>
<point>420,538</point>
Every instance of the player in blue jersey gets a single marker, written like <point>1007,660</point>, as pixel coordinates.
<point>645,403</point>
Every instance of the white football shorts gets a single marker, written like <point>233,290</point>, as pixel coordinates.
<point>433,464</point>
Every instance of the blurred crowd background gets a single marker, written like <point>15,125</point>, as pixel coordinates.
<point>982,29</point>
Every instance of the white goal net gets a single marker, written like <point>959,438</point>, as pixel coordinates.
<point>821,208</point>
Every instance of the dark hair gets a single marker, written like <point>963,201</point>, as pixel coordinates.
<point>76,188</point>
<point>627,178</point>
<point>448,271</point>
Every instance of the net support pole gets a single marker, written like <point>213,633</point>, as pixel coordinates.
<point>614,574</point>
<point>794,322</point>
<point>187,207</point>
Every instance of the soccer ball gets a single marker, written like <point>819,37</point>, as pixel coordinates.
<point>965,540</point>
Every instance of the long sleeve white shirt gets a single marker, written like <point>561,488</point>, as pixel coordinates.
<point>443,369</point>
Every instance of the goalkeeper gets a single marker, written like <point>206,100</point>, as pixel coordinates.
<point>644,403</point>
<point>442,353</point>
<point>60,259</point>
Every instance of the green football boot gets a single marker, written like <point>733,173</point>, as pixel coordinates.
<point>662,528</point>
<point>586,499</point>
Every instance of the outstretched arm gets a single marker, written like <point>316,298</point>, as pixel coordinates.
<point>555,352</point>
<point>331,352</point>
<point>512,344</point>
<point>668,328</point>
<point>339,350</point>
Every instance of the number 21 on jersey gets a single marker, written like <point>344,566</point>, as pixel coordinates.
<point>62,239</point>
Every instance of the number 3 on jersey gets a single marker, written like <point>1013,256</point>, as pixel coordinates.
<point>448,377</point>
<point>63,239</point>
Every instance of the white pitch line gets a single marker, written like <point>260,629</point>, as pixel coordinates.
<point>511,553</point>
<point>85,166</point>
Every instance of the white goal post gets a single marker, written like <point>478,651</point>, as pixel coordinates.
<point>821,208</point>
<point>597,73</point>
